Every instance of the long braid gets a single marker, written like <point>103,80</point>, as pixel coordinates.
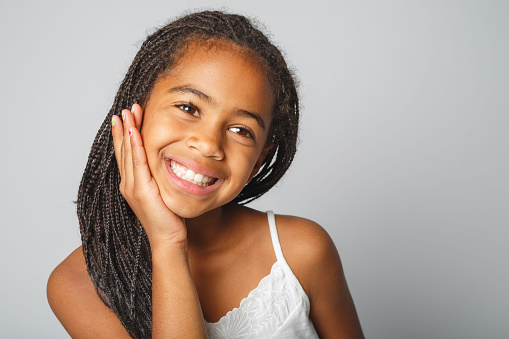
<point>115,245</point>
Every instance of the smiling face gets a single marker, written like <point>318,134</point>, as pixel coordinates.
<point>205,126</point>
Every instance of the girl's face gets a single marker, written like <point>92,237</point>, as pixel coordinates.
<point>205,127</point>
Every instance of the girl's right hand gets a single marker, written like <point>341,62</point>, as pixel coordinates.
<point>139,187</point>
<point>176,310</point>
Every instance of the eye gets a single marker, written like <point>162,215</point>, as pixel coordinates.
<point>189,109</point>
<point>243,132</point>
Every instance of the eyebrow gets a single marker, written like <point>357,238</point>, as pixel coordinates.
<point>203,96</point>
<point>255,116</point>
<point>187,89</point>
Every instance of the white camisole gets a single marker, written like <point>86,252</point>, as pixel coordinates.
<point>277,308</point>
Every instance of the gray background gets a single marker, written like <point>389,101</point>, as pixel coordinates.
<point>403,155</point>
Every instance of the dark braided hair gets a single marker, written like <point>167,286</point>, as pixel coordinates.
<point>115,246</point>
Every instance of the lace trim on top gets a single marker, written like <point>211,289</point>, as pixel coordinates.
<point>265,309</point>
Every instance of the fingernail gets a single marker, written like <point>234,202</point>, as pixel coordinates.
<point>130,131</point>
<point>123,116</point>
<point>132,108</point>
<point>112,122</point>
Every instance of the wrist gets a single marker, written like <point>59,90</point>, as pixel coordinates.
<point>165,250</point>
<point>166,239</point>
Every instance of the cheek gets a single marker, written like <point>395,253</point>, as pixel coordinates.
<point>244,164</point>
<point>158,134</point>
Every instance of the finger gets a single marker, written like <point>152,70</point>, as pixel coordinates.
<point>138,115</point>
<point>117,133</point>
<point>128,121</point>
<point>141,171</point>
<point>121,168</point>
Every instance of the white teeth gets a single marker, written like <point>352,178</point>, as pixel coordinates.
<point>189,175</point>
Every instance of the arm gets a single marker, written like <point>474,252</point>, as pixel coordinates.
<point>311,254</point>
<point>73,299</point>
<point>175,305</point>
<point>332,308</point>
<point>176,310</point>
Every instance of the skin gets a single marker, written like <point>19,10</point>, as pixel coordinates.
<point>207,253</point>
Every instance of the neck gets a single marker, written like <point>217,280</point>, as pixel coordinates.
<point>206,230</point>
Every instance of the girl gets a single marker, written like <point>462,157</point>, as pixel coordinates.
<point>168,250</point>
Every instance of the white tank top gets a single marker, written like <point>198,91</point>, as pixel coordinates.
<point>277,308</point>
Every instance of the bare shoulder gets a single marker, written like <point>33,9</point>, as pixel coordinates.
<point>73,299</point>
<point>314,259</point>
<point>307,248</point>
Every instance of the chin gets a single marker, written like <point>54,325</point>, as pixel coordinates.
<point>189,214</point>
<point>187,209</point>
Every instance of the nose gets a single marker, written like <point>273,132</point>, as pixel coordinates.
<point>208,141</point>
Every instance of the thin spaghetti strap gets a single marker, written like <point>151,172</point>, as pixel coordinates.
<point>275,238</point>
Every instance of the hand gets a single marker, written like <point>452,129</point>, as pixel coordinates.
<point>137,184</point>
<point>175,303</point>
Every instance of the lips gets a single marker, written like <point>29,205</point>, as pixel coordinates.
<point>187,174</point>
<point>192,177</point>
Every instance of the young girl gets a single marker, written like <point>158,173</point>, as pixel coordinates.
<point>168,250</point>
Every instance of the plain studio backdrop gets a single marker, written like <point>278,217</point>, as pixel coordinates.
<point>403,158</point>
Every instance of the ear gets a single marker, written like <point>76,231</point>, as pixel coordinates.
<point>259,162</point>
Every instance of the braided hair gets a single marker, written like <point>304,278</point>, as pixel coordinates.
<point>115,246</point>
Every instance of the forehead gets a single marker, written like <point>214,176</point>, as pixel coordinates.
<point>223,71</point>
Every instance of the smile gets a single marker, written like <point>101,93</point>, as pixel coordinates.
<point>191,176</point>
